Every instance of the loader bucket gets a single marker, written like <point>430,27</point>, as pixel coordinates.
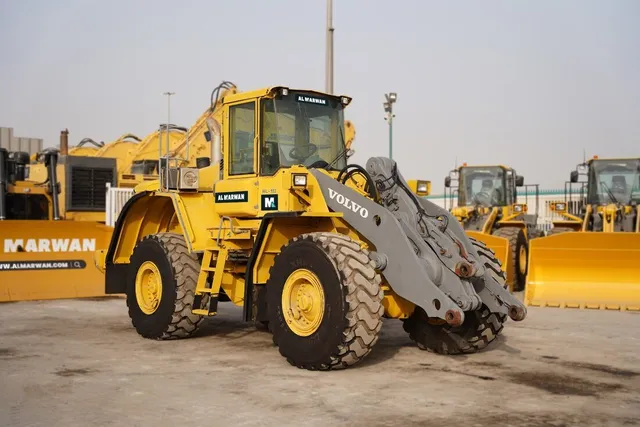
<point>50,259</point>
<point>499,245</point>
<point>588,270</point>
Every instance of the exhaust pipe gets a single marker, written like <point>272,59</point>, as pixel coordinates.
<point>64,142</point>
<point>216,146</point>
<point>51,162</point>
<point>4,172</point>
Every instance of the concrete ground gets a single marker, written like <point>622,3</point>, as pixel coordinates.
<point>79,363</point>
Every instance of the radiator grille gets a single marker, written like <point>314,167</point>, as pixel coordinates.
<point>88,187</point>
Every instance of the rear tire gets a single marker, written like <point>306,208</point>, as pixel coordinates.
<point>478,330</point>
<point>519,248</point>
<point>350,296</point>
<point>172,318</point>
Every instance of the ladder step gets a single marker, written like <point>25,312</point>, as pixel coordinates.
<point>203,312</point>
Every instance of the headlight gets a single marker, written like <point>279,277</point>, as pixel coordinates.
<point>299,180</point>
<point>517,208</point>
<point>422,187</point>
<point>560,207</point>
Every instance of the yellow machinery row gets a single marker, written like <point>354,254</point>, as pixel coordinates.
<point>589,259</point>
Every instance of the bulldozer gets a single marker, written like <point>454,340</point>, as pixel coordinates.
<point>590,258</point>
<point>487,206</point>
<point>50,227</point>
<point>276,224</point>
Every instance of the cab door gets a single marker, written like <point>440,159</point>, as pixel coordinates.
<point>237,193</point>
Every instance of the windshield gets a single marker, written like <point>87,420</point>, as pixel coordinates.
<point>614,181</point>
<point>300,128</point>
<point>481,186</point>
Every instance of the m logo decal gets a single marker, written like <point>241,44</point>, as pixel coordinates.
<point>269,202</point>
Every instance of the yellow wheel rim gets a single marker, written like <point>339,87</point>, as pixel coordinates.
<point>303,302</point>
<point>148,287</point>
<point>523,259</point>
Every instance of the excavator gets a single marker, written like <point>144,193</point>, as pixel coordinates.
<point>275,224</point>
<point>51,221</point>
<point>487,206</point>
<point>590,259</point>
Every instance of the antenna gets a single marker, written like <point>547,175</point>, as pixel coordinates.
<point>584,155</point>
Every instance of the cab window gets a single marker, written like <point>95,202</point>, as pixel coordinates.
<point>241,138</point>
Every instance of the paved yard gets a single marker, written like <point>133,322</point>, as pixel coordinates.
<point>79,363</point>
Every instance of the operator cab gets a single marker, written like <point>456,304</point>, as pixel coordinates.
<point>614,181</point>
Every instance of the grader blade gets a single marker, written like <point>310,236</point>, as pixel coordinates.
<point>51,259</point>
<point>587,270</point>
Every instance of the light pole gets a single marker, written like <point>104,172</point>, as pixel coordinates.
<point>391,98</point>
<point>329,47</point>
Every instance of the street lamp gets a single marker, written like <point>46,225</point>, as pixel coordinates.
<point>388,108</point>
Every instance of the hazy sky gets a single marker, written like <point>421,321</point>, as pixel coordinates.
<point>530,84</point>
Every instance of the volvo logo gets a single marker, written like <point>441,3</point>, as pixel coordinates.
<point>348,203</point>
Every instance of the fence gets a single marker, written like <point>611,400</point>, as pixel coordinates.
<point>116,199</point>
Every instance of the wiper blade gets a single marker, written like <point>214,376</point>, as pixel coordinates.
<point>342,153</point>
<point>609,192</point>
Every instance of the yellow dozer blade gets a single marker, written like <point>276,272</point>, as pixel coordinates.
<point>585,270</point>
<point>50,259</point>
<point>500,246</point>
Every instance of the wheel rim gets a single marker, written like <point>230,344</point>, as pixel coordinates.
<point>148,287</point>
<point>303,302</point>
<point>522,259</point>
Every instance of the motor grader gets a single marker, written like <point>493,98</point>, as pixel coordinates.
<point>51,223</point>
<point>487,206</point>
<point>276,224</point>
<point>590,258</point>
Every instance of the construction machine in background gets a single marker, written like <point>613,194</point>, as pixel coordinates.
<point>122,149</point>
<point>143,163</point>
<point>487,206</point>
<point>276,224</point>
<point>50,228</point>
<point>591,257</point>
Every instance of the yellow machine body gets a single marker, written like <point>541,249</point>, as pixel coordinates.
<point>591,257</point>
<point>122,149</point>
<point>494,216</point>
<point>44,259</point>
<point>48,238</point>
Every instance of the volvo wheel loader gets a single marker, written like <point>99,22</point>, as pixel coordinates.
<point>51,227</point>
<point>591,257</point>
<point>276,224</point>
<point>487,206</point>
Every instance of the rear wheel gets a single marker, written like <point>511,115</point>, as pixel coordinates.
<point>519,247</point>
<point>479,328</point>
<point>324,302</point>
<point>161,286</point>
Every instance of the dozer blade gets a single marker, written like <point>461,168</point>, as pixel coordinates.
<point>585,270</point>
<point>50,259</point>
<point>500,246</point>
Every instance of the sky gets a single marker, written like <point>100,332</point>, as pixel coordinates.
<point>533,85</point>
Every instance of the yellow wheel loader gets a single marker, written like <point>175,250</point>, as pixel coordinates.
<point>591,257</point>
<point>276,224</point>
<point>487,206</point>
<point>50,228</point>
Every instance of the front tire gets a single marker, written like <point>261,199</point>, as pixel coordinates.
<point>478,330</point>
<point>324,302</point>
<point>161,284</point>
<point>519,247</point>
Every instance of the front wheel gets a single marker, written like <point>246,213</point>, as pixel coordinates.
<point>324,302</point>
<point>478,330</point>
<point>519,247</point>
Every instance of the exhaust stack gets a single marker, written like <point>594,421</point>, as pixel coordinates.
<point>51,162</point>
<point>64,142</point>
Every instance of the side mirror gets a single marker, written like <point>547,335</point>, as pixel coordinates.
<point>447,181</point>
<point>207,135</point>
<point>574,176</point>
<point>519,180</point>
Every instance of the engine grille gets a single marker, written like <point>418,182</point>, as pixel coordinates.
<point>88,188</point>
